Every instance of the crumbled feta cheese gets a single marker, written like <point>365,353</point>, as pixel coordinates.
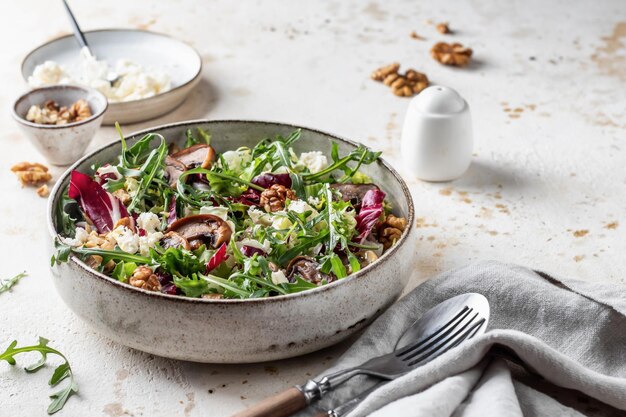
<point>315,161</point>
<point>134,81</point>
<point>48,73</point>
<point>149,222</point>
<point>279,277</point>
<point>236,160</point>
<point>259,217</point>
<point>80,238</point>
<point>314,201</point>
<point>148,241</point>
<point>125,238</point>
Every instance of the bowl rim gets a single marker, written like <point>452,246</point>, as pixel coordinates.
<point>120,103</point>
<point>86,90</point>
<point>279,298</point>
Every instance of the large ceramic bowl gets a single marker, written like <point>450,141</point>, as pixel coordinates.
<point>237,331</point>
<point>176,58</point>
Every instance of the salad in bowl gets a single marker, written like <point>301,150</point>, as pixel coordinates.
<point>250,222</point>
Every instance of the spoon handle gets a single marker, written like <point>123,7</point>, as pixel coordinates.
<point>283,404</point>
<point>80,36</point>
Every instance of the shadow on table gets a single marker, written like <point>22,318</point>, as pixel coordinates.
<point>483,174</point>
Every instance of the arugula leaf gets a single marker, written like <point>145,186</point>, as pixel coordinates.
<point>191,140</point>
<point>298,286</point>
<point>61,372</point>
<point>361,154</point>
<point>5,285</point>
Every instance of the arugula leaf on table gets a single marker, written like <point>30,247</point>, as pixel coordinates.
<point>61,372</point>
<point>5,285</point>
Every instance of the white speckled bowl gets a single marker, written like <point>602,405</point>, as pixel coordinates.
<point>156,50</point>
<point>61,144</point>
<point>237,331</point>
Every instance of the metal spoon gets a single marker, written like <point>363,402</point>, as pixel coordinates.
<point>112,77</point>
<point>440,329</point>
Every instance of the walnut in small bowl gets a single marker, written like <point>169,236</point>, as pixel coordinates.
<point>60,121</point>
<point>51,113</point>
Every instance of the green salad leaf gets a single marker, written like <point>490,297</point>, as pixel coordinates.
<point>61,372</point>
<point>5,285</point>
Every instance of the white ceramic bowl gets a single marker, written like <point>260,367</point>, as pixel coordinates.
<point>61,144</point>
<point>237,331</point>
<point>176,58</point>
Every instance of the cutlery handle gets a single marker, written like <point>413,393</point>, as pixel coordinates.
<point>282,404</point>
<point>80,36</point>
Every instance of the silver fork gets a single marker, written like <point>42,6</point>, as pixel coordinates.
<point>350,405</point>
<point>465,324</point>
<point>438,330</point>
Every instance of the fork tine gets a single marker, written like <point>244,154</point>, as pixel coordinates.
<point>441,340</point>
<point>462,313</point>
<point>455,342</point>
<point>440,334</point>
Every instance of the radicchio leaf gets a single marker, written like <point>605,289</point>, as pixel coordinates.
<point>171,217</point>
<point>101,207</point>
<point>266,180</point>
<point>249,251</point>
<point>371,209</point>
<point>250,197</point>
<point>218,257</point>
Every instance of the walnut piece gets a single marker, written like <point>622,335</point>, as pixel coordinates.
<point>407,85</point>
<point>31,173</point>
<point>414,35</point>
<point>381,73</point>
<point>144,277</point>
<point>43,191</point>
<point>123,196</point>
<point>390,231</point>
<point>273,198</point>
<point>124,221</point>
<point>451,54</point>
<point>80,111</point>
<point>443,28</point>
<point>53,114</point>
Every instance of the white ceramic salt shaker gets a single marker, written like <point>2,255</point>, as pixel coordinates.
<point>437,138</point>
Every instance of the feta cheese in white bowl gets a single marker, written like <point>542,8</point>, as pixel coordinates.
<point>156,71</point>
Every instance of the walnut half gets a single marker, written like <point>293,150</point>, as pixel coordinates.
<point>391,230</point>
<point>31,173</point>
<point>451,54</point>
<point>145,278</point>
<point>403,85</point>
<point>273,198</point>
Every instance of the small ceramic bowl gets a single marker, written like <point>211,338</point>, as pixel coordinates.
<point>61,144</point>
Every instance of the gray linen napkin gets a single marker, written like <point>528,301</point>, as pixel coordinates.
<point>570,332</point>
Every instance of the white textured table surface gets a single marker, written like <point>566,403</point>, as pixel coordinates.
<point>548,96</point>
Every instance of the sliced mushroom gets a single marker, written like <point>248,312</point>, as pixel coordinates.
<point>173,169</point>
<point>308,269</point>
<point>174,240</point>
<point>196,155</point>
<point>202,228</point>
<point>354,193</point>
